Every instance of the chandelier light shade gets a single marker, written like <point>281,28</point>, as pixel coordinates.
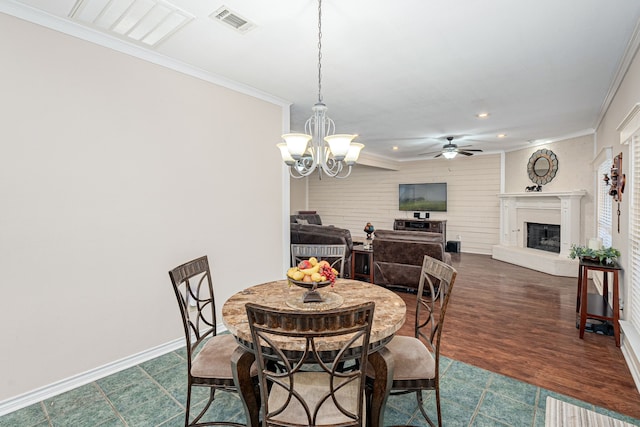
<point>319,148</point>
<point>286,157</point>
<point>353,153</point>
<point>449,154</point>
<point>296,144</point>
<point>339,145</point>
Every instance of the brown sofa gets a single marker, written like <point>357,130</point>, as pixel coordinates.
<point>314,234</point>
<point>305,219</point>
<point>398,256</point>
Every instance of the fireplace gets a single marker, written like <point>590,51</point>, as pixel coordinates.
<point>544,237</point>
<point>518,210</point>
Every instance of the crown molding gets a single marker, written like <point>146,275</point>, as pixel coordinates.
<point>628,56</point>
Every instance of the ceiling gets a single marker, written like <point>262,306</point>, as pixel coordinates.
<point>408,74</point>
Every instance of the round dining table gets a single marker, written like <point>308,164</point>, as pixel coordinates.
<point>389,316</point>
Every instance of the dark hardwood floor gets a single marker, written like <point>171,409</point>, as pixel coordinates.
<point>522,324</point>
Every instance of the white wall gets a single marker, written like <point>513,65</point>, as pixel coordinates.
<point>298,195</point>
<point>575,172</point>
<point>627,95</point>
<point>608,136</point>
<point>371,195</point>
<point>115,170</point>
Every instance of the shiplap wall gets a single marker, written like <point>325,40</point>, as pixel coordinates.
<point>371,195</point>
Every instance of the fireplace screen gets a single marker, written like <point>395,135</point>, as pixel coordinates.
<point>545,237</point>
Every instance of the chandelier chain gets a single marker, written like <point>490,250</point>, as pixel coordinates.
<point>320,51</point>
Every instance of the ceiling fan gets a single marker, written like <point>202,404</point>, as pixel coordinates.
<point>450,150</point>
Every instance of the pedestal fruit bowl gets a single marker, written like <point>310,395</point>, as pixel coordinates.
<point>312,274</point>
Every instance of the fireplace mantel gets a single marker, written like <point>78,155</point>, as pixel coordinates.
<point>539,194</point>
<point>562,208</point>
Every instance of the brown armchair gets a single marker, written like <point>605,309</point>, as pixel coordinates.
<point>398,256</point>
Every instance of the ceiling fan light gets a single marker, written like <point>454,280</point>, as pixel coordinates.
<point>296,144</point>
<point>353,153</point>
<point>449,154</point>
<point>339,145</point>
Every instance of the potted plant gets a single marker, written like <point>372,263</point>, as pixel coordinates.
<point>602,255</point>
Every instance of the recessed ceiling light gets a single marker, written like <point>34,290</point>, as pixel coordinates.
<point>482,115</point>
<point>502,135</point>
<point>395,148</point>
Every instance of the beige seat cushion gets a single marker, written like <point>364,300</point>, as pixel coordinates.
<point>411,358</point>
<point>214,360</point>
<point>313,386</point>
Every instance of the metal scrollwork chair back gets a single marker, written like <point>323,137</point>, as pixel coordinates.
<point>208,354</point>
<point>300,383</point>
<point>417,358</point>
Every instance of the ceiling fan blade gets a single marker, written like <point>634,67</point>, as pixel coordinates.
<point>450,146</point>
<point>435,157</point>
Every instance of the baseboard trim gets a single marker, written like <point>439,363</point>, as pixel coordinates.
<point>48,391</point>
<point>631,350</point>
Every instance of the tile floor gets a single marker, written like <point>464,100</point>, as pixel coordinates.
<point>153,394</point>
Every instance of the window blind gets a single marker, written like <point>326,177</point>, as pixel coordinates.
<point>633,306</point>
<point>604,204</point>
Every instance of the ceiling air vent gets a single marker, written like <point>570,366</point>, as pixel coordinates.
<point>147,22</point>
<point>232,19</point>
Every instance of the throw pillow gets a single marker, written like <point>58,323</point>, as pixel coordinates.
<point>302,221</point>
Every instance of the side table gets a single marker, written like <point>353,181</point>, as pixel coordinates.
<point>596,306</point>
<point>362,263</point>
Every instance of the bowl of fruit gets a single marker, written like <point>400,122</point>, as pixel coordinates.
<point>312,274</point>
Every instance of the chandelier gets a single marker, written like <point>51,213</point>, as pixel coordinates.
<point>319,148</point>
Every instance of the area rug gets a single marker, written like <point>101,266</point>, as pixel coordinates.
<point>563,414</point>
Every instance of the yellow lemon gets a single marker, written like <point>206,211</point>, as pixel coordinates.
<point>313,260</point>
<point>297,275</point>
<point>316,277</point>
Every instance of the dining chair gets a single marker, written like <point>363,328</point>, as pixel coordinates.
<point>208,354</point>
<point>417,359</point>
<point>300,383</point>
<point>333,254</point>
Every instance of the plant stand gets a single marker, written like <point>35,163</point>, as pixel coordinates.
<point>596,306</point>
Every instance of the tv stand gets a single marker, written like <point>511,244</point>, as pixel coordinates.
<point>430,225</point>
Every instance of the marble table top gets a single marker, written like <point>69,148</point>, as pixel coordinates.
<point>389,314</point>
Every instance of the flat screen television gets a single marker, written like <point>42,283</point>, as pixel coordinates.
<point>430,196</point>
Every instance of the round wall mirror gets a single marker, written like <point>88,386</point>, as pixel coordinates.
<point>542,167</point>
